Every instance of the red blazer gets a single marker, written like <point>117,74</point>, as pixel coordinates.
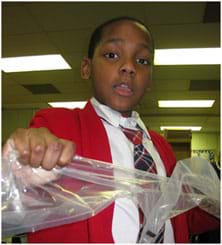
<point>86,129</point>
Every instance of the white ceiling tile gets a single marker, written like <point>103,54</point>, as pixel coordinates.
<point>27,44</point>
<point>164,13</point>
<point>17,20</point>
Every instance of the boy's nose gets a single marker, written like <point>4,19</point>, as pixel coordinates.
<point>128,68</point>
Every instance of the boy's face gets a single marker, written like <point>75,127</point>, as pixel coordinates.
<point>121,66</point>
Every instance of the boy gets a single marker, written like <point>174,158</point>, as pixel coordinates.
<point>119,63</point>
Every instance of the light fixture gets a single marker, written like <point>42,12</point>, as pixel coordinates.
<point>70,104</point>
<point>34,63</point>
<point>192,128</point>
<point>186,103</point>
<point>188,56</point>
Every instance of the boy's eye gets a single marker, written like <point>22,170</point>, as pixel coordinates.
<point>143,61</point>
<point>111,55</point>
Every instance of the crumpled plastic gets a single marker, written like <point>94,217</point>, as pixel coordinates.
<point>34,198</point>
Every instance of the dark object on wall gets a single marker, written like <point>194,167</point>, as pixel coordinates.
<point>212,12</point>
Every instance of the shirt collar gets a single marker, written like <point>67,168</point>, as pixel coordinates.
<point>116,119</point>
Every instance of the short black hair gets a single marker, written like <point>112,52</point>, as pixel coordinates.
<point>97,33</point>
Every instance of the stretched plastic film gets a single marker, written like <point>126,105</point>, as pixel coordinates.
<point>34,198</point>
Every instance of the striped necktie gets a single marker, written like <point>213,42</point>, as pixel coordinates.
<point>142,158</point>
<point>143,161</point>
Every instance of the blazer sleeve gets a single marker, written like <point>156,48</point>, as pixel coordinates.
<point>63,123</point>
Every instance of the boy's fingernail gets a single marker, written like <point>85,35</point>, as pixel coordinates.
<point>38,148</point>
<point>25,153</point>
<point>24,157</point>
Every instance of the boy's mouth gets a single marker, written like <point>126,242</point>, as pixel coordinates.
<point>123,89</point>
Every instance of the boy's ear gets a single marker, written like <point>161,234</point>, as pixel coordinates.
<point>86,68</point>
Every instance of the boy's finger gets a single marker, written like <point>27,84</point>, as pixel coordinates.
<point>21,144</point>
<point>68,152</point>
<point>52,155</point>
<point>7,147</point>
<point>38,149</point>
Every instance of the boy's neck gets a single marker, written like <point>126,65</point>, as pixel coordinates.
<point>126,114</point>
<point>123,114</point>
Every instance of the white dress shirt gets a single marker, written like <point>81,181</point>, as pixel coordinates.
<point>126,225</point>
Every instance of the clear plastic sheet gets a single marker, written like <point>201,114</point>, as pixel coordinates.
<point>34,199</point>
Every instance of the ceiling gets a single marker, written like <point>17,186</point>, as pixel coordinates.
<point>33,28</point>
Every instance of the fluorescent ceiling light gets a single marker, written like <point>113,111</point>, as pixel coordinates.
<point>192,128</point>
<point>34,63</point>
<point>188,56</point>
<point>70,105</point>
<point>186,103</point>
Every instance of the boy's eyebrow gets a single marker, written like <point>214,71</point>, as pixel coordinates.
<point>119,40</point>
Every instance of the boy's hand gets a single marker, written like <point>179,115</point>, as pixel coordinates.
<point>39,147</point>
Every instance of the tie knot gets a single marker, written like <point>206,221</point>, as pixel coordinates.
<point>135,136</point>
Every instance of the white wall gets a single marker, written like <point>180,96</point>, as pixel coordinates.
<point>206,141</point>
